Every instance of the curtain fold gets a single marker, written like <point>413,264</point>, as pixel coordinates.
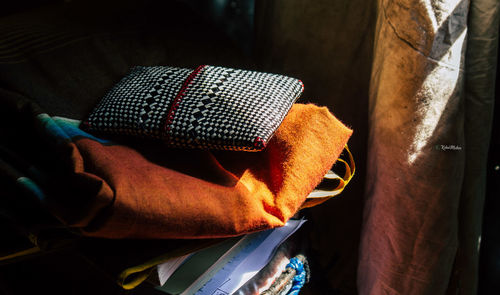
<point>480,71</point>
<point>430,114</point>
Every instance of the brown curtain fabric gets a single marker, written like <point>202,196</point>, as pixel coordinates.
<point>415,79</point>
<point>416,150</point>
<point>428,142</point>
<point>480,70</point>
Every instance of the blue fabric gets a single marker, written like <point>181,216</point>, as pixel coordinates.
<point>64,129</point>
<point>71,128</point>
<point>31,187</point>
<point>300,278</point>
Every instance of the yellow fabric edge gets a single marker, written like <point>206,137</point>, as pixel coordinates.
<point>21,253</point>
<point>350,169</point>
<point>133,276</point>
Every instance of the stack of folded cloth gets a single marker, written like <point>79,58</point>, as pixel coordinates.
<point>198,155</point>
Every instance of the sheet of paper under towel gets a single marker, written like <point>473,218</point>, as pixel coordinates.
<point>246,264</point>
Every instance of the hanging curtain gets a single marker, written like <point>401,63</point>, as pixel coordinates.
<point>430,113</point>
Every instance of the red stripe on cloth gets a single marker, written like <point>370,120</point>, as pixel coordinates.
<point>178,98</point>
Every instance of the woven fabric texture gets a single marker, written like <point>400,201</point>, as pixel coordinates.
<point>210,107</point>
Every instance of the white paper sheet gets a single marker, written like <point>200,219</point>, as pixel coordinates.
<point>165,270</point>
<point>247,263</point>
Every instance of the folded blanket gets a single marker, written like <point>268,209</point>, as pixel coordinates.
<point>142,189</point>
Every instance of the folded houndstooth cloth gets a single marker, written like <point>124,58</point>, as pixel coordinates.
<point>209,107</point>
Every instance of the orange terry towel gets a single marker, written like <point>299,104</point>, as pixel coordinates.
<point>145,190</point>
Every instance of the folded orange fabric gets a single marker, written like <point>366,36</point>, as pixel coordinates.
<point>145,190</point>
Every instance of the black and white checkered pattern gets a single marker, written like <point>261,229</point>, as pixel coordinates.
<point>221,108</point>
<point>138,103</point>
